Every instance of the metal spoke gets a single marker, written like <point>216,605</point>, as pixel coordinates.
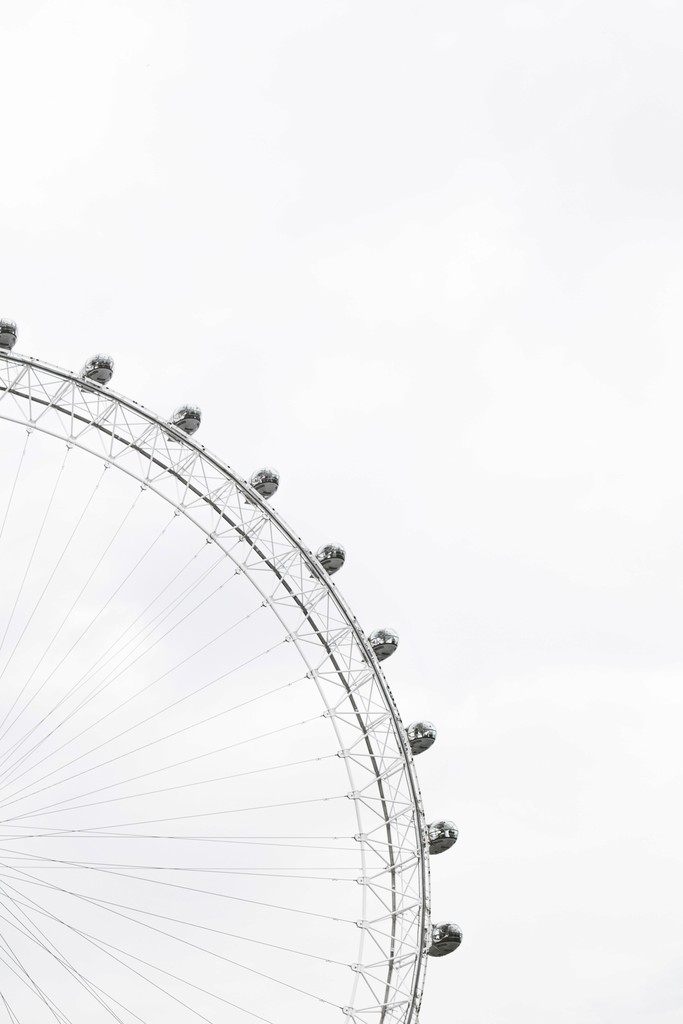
<point>203,748</point>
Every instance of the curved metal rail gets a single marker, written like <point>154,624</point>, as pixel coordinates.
<point>289,578</point>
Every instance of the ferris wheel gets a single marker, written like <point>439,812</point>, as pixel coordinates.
<point>208,802</point>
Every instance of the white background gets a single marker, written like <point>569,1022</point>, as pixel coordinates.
<point>426,259</point>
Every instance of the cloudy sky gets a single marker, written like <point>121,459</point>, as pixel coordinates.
<point>426,259</point>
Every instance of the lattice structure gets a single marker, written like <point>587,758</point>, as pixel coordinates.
<point>389,974</point>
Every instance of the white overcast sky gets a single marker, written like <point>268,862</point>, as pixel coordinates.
<point>427,260</point>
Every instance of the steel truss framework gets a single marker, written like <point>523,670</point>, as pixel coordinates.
<point>389,974</point>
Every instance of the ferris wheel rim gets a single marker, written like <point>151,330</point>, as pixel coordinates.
<point>43,401</point>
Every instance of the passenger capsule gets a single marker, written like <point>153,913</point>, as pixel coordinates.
<point>187,418</point>
<point>446,937</point>
<point>331,557</point>
<point>265,481</point>
<point>8,334</point>
<point>384,642</point>
<point>421,736</point>
<point>100,368</point>
<point>442,835</point>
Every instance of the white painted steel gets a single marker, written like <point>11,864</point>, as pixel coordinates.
<point>394,926</point>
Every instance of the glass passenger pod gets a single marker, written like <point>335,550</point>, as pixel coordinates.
<point>8,334</point>
<point>442,835</point>
<point>265,482</point>
<point>421,736</point>
<point>446,937</point>
<point>331,557</point>
<point>384,642</point>
<point>187,418</point>
<point>99,368</point>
